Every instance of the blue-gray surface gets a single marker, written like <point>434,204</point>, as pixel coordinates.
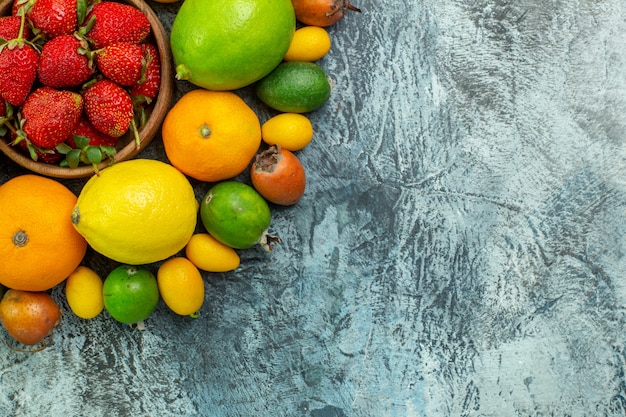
<point>460,250</point>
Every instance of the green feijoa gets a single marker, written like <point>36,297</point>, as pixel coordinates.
<point>235,214</point>
<point>295,87</point>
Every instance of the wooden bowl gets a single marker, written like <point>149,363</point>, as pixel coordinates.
<point>126,146</point>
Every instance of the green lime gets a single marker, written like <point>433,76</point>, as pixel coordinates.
<point>131,293</point>
<point>225,44</point>
<point>295,87</point>
<point>235,214</point>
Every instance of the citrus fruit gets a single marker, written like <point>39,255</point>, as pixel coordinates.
<point>130,293</point>
<point>292,131</point>
<point>309,43</point>
<point>278,176</point>
<point>295,87</point>
<point>29,316</point>
<point>181,286</point>
<point>137,211</point>
<point>83,291</point>
<point>39,247</point>
<point>209,254</point>
<point>235,214</point>
<point>211,135</point>
<point>227,44</point>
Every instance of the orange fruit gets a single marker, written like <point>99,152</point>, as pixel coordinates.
<point>211,135</point>
<point>39,246</point>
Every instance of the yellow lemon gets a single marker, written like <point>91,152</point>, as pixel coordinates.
<point>309,43</point>
<point>181,286</point>
<point>209,254</point>
<point>292,131</point>
<point>83,291</point>
<point>137,211</point>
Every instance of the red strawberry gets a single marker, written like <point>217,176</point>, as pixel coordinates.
<point>110,22</point>
<point>52,17</point>
<point>121,62</point>
<point>10,28</point>
<point>64,62</point>
<point>96,138</point>
<point>108,107</point>
<point>49,116</point>
<point>150,81</point>
<point>18,70</point>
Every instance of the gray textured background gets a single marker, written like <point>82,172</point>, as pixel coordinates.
<point>460,250</point>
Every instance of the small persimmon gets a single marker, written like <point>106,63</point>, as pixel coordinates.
<point>278,175</point>
<point>29,316</point>
<point>322,12</point>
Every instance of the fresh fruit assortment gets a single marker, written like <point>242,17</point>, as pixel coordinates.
<point>143,213</point>
<point>68,64</point>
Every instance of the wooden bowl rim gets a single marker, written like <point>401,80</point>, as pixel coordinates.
<point>146,134</point>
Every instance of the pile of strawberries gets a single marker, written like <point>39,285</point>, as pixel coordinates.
<point>75,76</point>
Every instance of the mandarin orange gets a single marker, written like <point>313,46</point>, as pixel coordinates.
<point>39,247</point>
<point>211,135</point>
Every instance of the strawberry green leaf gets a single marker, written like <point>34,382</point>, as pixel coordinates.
<point>81,141</point>
<point>109,151</point>
<point>63,148</point>
<point>94,154</point>
<point>81,11</point>
<point>73,158</point>
<point>32,151</point>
